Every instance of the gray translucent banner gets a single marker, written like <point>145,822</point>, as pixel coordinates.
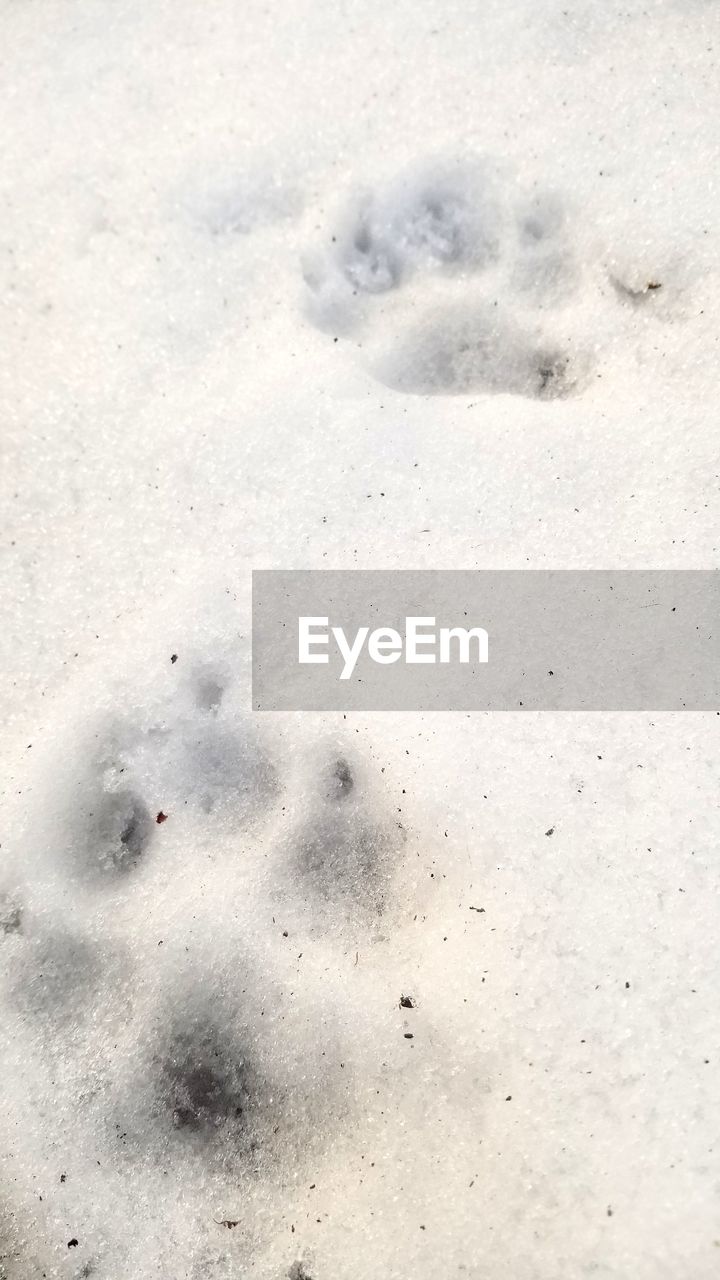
<point>555,640</point>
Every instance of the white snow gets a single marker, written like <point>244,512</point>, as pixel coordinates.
<point>420,285</point>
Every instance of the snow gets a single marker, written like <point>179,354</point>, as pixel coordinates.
<point>419,285</point>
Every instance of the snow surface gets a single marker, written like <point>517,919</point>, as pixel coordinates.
<point>373,285</point>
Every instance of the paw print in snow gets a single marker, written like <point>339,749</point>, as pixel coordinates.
<point>451,280</point>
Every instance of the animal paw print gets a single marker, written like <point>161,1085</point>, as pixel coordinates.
<point>186,981</point>
<point>451,280</point>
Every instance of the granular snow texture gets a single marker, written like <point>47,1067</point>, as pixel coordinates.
<point>429,284</point>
